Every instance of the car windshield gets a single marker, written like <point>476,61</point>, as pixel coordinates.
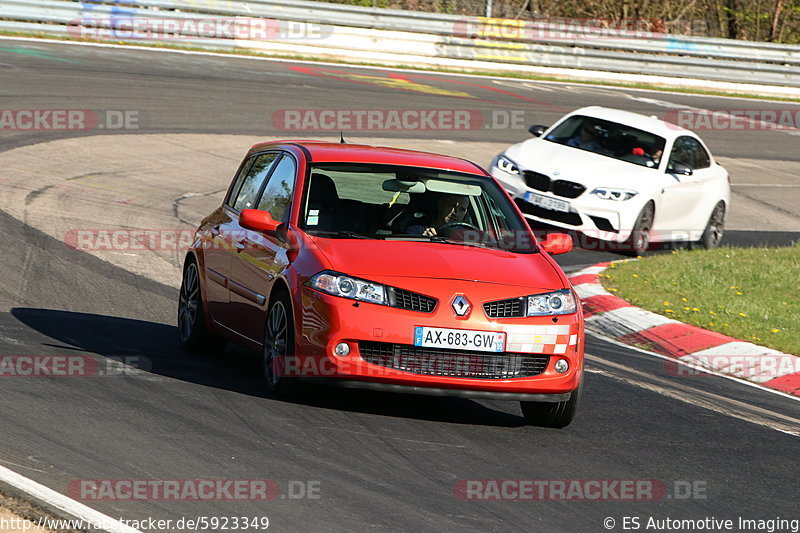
<point>610,139</point>
<point>356,200</point>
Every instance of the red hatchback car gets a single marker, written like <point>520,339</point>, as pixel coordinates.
<point>387,269</point>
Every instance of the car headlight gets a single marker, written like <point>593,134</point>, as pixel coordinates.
<point>348,287</point>
<point>506,165</point>
<point>552,303</point>
<point>614,194</point>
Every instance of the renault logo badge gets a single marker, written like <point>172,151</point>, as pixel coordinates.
<point>461,305</point>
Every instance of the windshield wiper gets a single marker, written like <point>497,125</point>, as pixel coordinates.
<point>345,235</point>
<point>445,240</point>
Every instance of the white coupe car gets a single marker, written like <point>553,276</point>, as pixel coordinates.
<point>620,177</point>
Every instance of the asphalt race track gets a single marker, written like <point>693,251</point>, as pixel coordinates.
<point>380,462</point>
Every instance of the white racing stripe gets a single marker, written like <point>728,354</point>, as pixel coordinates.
<point>61,502</point>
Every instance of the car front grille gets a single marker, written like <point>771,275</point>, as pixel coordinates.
<point>536,180</point>
<point>563,188</point>
<point>567,189</point>
<point>513,307</point>
<point>412,301</point>
<point>452,363</point>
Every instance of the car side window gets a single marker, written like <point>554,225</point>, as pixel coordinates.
<point>277,196</point>
<point>245,196</point>
<point>688,151</point>
<point>237,184</point>
<point>701,157</point>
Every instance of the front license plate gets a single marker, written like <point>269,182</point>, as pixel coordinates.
<point>464,339</point>
<point>547,202</point>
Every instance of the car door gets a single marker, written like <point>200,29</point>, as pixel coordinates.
<point>682,195</point>
<point>226,233</point>
<point>217,245</point>
<point>260,257</point>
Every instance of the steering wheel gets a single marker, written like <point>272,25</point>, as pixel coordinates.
<point>451,226</point>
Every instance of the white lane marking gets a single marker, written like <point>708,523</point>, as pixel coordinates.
<point>627,320</point>
<point>762,125</point>
<point>534,86</point>
<point>587,290</point>
<point>707,400</point>
<point>738,348</point>
<point>61,502</point>
<point>615,342</point>
<point>22,466</point>
<point>659,103</point>
<point>590,270</point>
<point>560,84</point>
<point>746,360</point>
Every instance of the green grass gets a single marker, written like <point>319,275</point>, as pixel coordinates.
<point>500,73</point>
<point>750,294</point>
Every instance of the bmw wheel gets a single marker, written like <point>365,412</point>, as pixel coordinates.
<point>712,235</point>
<point>639,241</point>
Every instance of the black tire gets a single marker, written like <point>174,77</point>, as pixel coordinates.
<point>639,241</point>
<point>193,333</point>
<point>712,235</point>
<point>553,414</point>
<point>278,343</point>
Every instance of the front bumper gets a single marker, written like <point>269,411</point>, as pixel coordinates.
<point>329,320</point>
<point>605,220</point>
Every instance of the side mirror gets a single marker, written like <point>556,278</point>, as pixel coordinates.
<point>258,220</point>
<point>537,130</point>
<point>680,168</point>
<point>557,243</point>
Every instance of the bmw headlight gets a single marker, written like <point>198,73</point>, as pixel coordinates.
<point>614,194</point>
<point>505,164</point>
<point>347,287</point>
<point>561,302</point>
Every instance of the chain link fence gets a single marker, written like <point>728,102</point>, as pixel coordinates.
<point>753,20</point>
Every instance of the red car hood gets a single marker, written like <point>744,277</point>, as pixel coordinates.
<point>373,259</point>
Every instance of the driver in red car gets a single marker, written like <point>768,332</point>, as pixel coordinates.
<point>450,208</point>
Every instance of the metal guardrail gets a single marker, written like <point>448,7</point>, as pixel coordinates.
<point>351,30</point>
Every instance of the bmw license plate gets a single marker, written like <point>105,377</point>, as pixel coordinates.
<point>463,339</point>
<point>547,202</point>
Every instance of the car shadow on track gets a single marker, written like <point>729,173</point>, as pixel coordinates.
<point>153,348</point>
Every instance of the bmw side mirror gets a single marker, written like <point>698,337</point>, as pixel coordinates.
<point>537,130</point>
<point>680,168</point>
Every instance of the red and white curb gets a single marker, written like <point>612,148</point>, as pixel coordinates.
<point>613,317</point>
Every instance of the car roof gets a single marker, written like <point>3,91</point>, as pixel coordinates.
<point>636,120</point>
<point>334,152</point>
